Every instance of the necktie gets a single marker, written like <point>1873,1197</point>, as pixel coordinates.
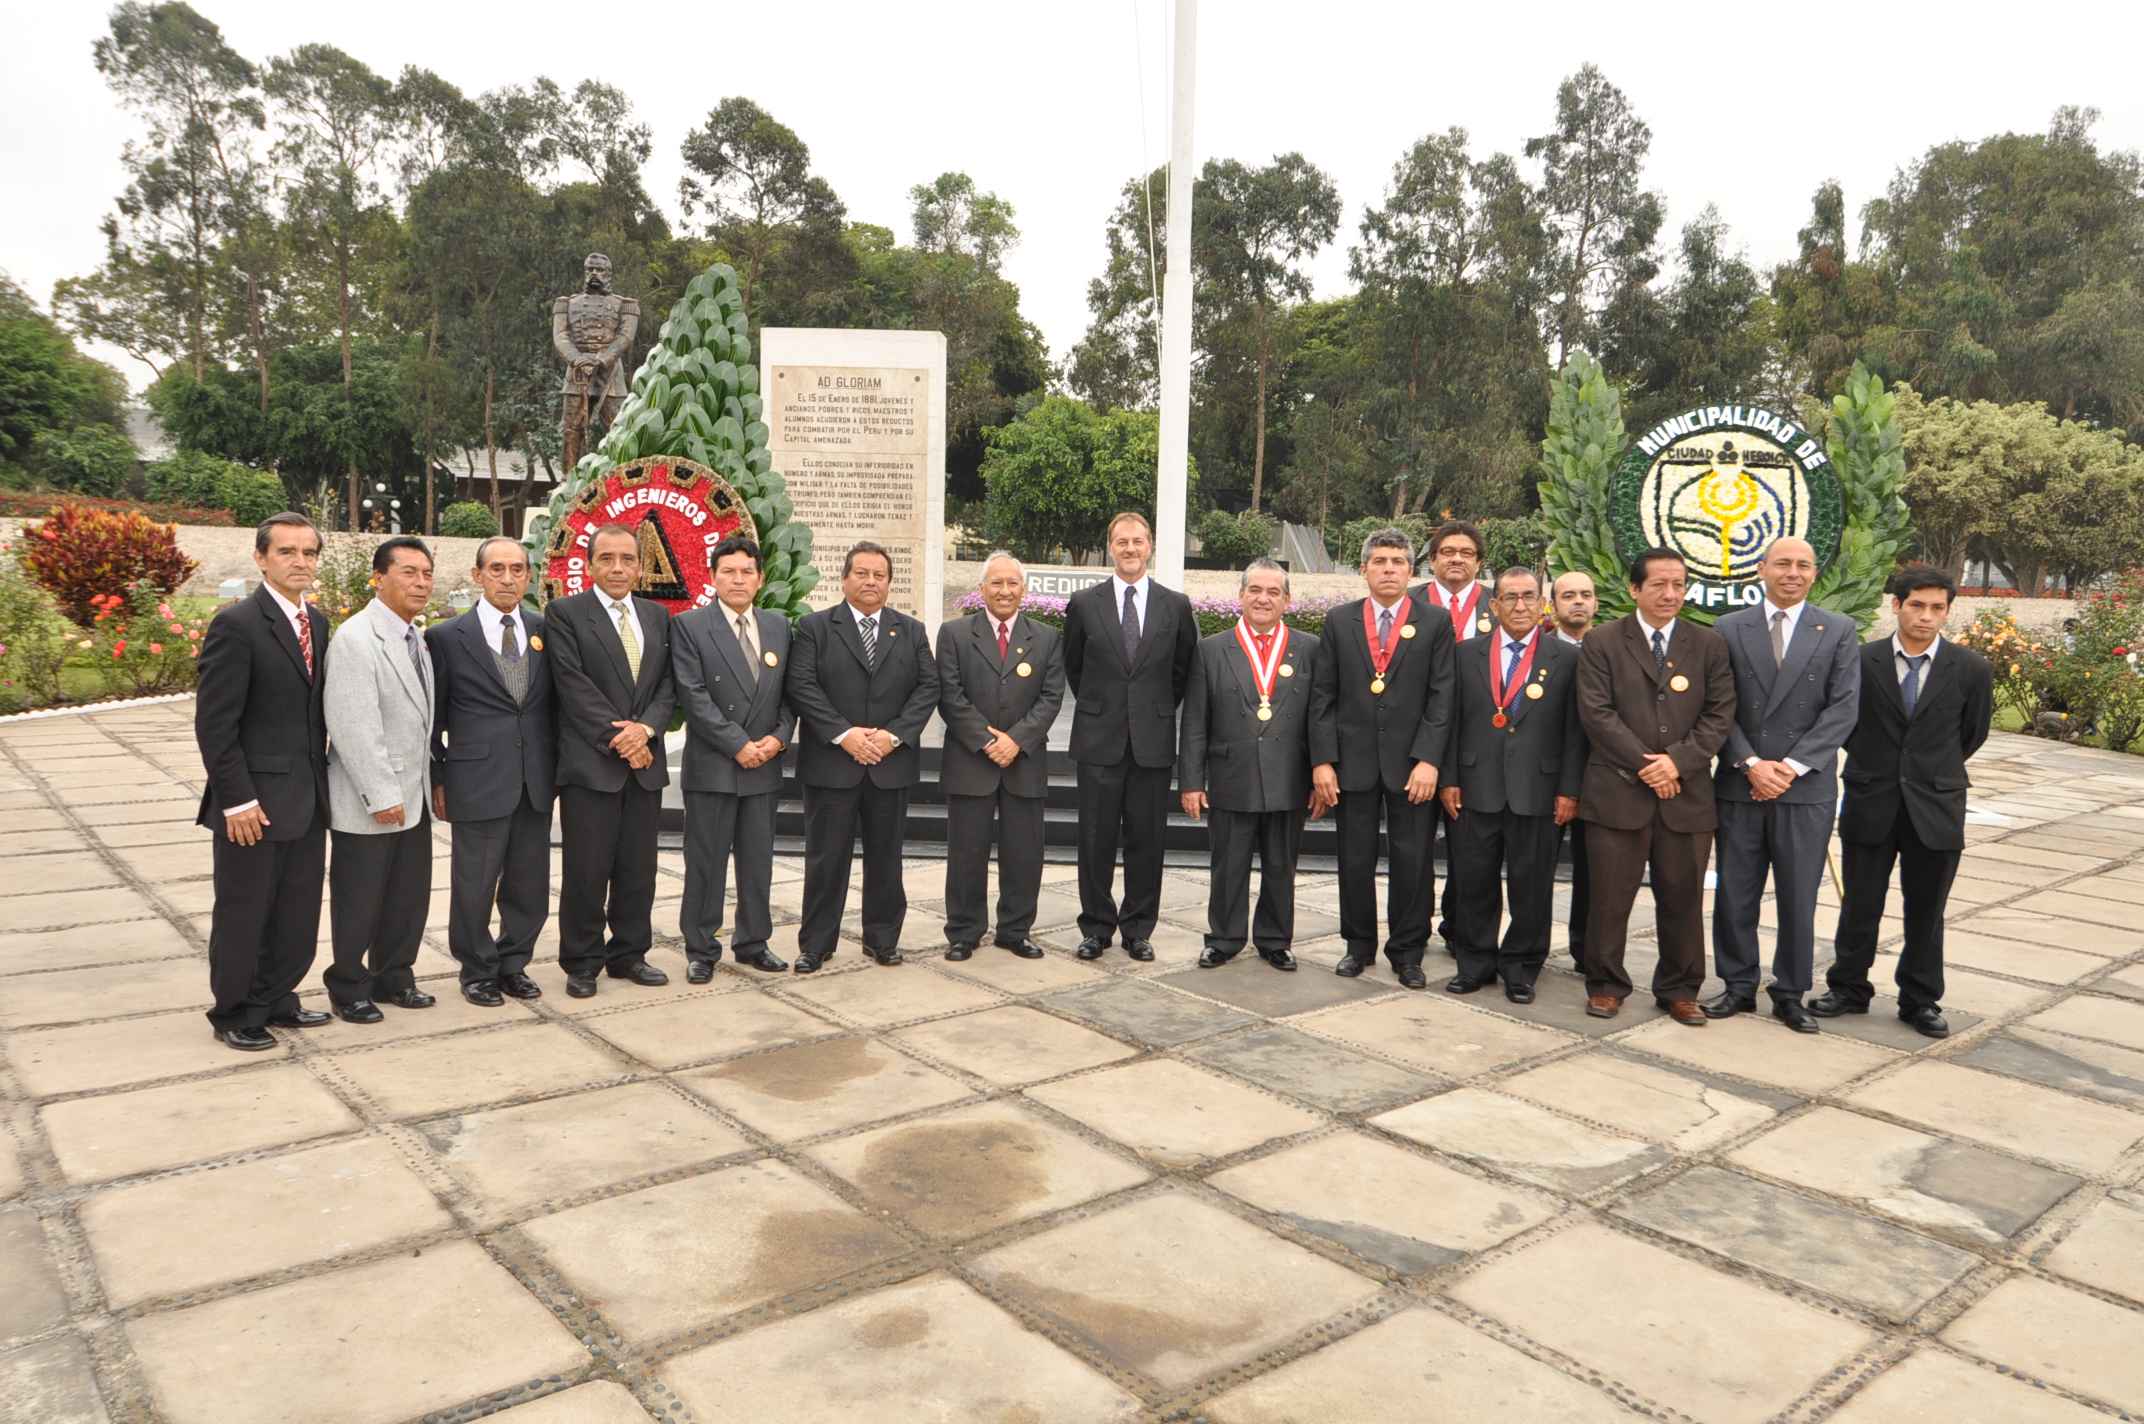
<point>305,638</point>
<point>509,645</point>
<point>750,646</point>
<point>1660,649</point>
<point>868,630</point>
<point>1384,626</point>
<point>628,636</point>
<point>1131,625</point>
<point>416,660</point>
<point>1910,689</point>
<point>1779,636</point>
<point>1004,640</point>
<point>1511,667</point>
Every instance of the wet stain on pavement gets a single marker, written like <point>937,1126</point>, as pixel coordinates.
<point>955,1179</point>
<point>807,1073</point>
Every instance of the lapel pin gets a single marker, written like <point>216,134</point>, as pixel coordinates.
<point>1025,669</point>
<point>1406,630</point>
<point>771,660</point>
<point>1287,669</point>
<point>536,642</point>
<point>1533,691</point>
<point>1679,683</point>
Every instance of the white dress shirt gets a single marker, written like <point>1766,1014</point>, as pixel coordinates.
<point>1902,667</point>
<point>490,622</point>
<point>1574,642</point>
<point>1668,641</point>
<point>1449,602</point>
<point>293,612</point>
<point>1139,591</point>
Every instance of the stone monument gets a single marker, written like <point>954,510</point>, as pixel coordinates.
<point>593,330</point>
<point>856,423</point>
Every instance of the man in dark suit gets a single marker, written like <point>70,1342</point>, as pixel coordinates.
<point>1797,691</point>
<point>262,730</point>
<point>1380,718</point>
<point>1001,681</point>
<point>1572,603</point>
<point>494,776</point>
<point>1129,645</point>
<point>863,683</point>
<point>610,671</point>
<point>1455,554</point>
<point>731,660</point>
<point>1925,708</point>
<point>1511,779</point>
<point>1655,696</point>
<point>1246,758</point>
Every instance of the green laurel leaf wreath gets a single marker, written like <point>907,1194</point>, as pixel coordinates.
<point>1866,449</point>
<point>696,397</point>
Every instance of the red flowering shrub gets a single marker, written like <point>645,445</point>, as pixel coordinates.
<point>80,553</point>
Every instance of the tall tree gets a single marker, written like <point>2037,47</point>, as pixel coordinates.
<point>1705,340</point>
<point>951,217</point>
<point>752,175</point>
<point>1602,225</point>
<point>1118,362</point>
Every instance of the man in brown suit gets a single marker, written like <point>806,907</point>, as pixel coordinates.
<point>1656,696</point>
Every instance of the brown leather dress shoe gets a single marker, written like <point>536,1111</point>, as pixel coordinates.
<point>1604,1006</point>
<point>1687,1011</point>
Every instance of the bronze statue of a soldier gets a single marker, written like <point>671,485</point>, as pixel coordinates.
<point>593,330</point>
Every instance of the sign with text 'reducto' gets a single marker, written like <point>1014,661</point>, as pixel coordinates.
<point>856,423</point>
<point>1718,484</point>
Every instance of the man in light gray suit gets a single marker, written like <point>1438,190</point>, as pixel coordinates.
<point>1001,680</point>
<point>1797,671</point>
<point>378,704</point>
<point>730,660</point>
<point>1245,757</point>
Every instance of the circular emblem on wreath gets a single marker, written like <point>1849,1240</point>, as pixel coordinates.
<point>677,508</point>
<point>1718,484</point>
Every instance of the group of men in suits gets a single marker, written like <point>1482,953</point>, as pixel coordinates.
<point>1496,710</point>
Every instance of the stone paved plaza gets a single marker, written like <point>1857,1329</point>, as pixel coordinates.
<point>1046,1191</point>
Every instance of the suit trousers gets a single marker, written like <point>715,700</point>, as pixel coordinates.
<point>833,818</point>
<point>503,862</point>
<point>1491,846</point>
<point>266,925</point>
<point>1924,880</point>
<point>1277,836</point>
<point>607,876</point>
<point>718,826</point>
<point>379,893</point>
<point>1125,804</point>
<point>1786,840</point>
<point>1620,859</point>
<point>1448,907</point>
<point>1410,885</point>
<point>967,865</point>
<point>1581,887</point>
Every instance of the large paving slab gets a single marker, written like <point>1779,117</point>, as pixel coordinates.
<point>96,1139</point>
<point>2047,1331</point>
<point>1435,1034</point>
<point>50,1382</point>
<point>1289,1061</point>
<point>1998,1111</point>
<point>1931,1387</point>
<point>1524,1141</point>
<point>1014,1045</point>
<point>1173,1113</point>
<point>799,1092</point>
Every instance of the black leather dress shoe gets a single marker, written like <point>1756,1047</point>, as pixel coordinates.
<point>642,972</point>
<point>1519,993</point>
<point>1140,950</point>
<point>1091,948</point>
<point>1349,966</point>
<point>1794,1016</point>
<point>1279,959</point>
<point>891,954</point>
<point>958,952</point>
<point>1412,977</point>
<point>247,1040</point>
<point>484,994</point>
<point>1833,1004</point>
<point>1924,1021</point>
<point>519,986</point>
<point>409,999</point>
<point>809,963</point>
<point>581,986</point>
<point>359,1011</point>
<point>1463,984</point>
<point>1025,949</point>
<point>1212,958</point>
<point>763,959</point>
<point>300,1018</point>
<point>699,971</point>
<point>1726,1006</point>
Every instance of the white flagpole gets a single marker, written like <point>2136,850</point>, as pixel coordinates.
<point>1171,477</point>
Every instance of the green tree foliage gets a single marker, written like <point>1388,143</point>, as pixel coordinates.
<point>1601,223</point>
<point>86,459</point>
<point>1704,340</point>
<point>1059,473</point>
<point>779,222</point>
<point>46,385</point>
<point>1235,539</point>
<point>467,520</point>
<point>206,482</point>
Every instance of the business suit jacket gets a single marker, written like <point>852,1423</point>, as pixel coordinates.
<point>1120,707</point>
<point>833,689</point>
<point>594,686</point>
<point>1241,763</point>
<point>260,722</point>
<point>1802,708</point>
<point>379,716</point>
<point>1374,739</point>
<point>977,692</point>
<point>725,705</point>
<point>1919,764</point>
<point>1539,754</point>
<point>487,749</point>
<point>1630,708</point>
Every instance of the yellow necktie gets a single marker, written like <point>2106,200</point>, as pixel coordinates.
<point>626,636</point>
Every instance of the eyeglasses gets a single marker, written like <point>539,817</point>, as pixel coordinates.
<point>1515,598</point>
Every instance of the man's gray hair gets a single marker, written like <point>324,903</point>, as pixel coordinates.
<point>1389,538</point>
<point>996,554</point>
<point>483,550</point>
<point>1273,564</point>
<point>1527,571</point>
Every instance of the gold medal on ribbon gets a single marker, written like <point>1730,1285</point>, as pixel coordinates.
<point>1377,684</point>
<point>1265,710</point>
<point>1263,670</point>
<point>1533,691</point>
<point>770,660</point>
<point>1679,683</point>
<point>1025,669</point>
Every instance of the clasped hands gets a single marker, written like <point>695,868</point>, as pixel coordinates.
<point>632,744</point>
<point>869,745</point>
<point>759,753</point>
<point>1659,773</point>
<point>1768,779</point>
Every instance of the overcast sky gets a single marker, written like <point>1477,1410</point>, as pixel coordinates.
<point>1751,105</point>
